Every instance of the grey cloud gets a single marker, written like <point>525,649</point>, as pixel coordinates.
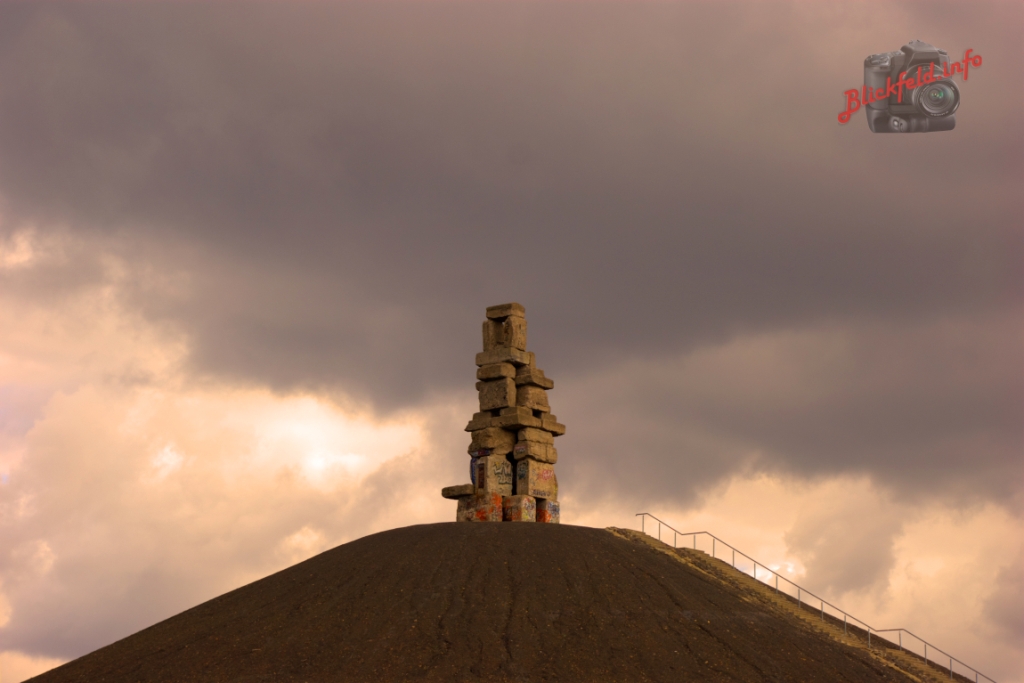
<point>846,549</point>
<point>926,410</point>
<point>344,187</point>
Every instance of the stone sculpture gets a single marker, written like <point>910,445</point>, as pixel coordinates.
<point>512,439</point>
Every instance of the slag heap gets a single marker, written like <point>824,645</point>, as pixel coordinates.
<point>512,449</point>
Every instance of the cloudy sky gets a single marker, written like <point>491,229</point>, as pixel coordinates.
<point>245,250</point>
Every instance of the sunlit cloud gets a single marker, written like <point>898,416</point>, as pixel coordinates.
<point>121,472</point>
<point>16,666</point>
<point>17,250</point>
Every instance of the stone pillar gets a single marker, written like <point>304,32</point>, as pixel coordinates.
<point>511,448</point>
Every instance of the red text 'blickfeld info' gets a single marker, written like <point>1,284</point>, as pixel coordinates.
<point>866,95</point>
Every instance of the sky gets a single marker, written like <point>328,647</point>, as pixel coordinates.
<point>246,248</point>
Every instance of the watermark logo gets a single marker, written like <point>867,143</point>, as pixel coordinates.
<point>910,90</point>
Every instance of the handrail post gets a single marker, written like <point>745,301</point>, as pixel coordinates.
<point>712,546</point>
<point>869,637</point>
<point>799,601</point>
<point>695,540</point>
<point>901,640</point>
<point>822,610</point>
<point>776,582</point>
<point>844,624</point>
<point>675,538</point>
<point>734,558</point>
<point>925,652</point>
<point>643,517</point>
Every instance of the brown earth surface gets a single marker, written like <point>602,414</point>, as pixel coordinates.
<point>487,602</point>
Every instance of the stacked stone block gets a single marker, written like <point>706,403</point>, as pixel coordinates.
<point>512,438</point>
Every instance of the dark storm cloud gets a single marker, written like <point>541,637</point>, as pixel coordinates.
<point>344,187</point>
<point>925,409</point>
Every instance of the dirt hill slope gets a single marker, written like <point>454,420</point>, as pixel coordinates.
<point>483,602</point>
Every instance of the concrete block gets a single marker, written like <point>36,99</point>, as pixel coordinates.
<point>480,420</point>
<point>464,511</point>
<point>496,371</point>
<point>506,355</point>
<point>532,397</point>
<point>515,333</point>
<point>486,507</point>
<point>515,410</point>
<point>550,424</point>
<point>519,509</point>
<point>507,333</point>
<point>498,393</point>
<point>495,439</point>
<point>516,418</point>
<point>538,451</point>
<point>493,336</point>
<point>538,435</point>
<point>533,376</point>
<point>504,310</point>
<point>548,512</point>
<point>537,479</point>
<point>493,474</point>
<point>456,492</point>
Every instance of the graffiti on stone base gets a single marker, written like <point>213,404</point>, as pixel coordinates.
<point>503,473</point>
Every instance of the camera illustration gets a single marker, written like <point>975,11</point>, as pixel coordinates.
<point>911,90</point>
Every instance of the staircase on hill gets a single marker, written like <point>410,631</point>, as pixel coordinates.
<point>908,651</point>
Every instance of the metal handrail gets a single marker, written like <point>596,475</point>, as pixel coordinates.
<point>801,592</point>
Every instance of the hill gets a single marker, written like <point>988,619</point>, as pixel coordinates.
<point>488,602</point>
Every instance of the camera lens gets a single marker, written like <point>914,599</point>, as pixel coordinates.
<point>937,99</point>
